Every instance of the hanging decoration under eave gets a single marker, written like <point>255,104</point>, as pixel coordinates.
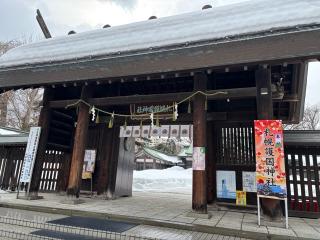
<point>94,111</point>
<point>110,125</point>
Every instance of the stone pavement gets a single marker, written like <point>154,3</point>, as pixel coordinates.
<point>35,221</point>
<point>169,210</point>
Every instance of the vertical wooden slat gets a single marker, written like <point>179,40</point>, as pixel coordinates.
<point>232,157</point>
<point>302,184</point>
<point>243,150</point>
<point>225,151</point>
<point>287,167</point>
<point>247,146</point>
<point>239,145</point>
<point>295,181</point>
<point>309,182</point>
<point>316,178</point>
<point>7,172</point>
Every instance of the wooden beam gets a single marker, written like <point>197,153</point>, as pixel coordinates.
<point>44,123</point>
<point>264,95</point>
<point>43,25</point>
<point>199,181</point>
<point>235,93</point>
<point>79,145</point>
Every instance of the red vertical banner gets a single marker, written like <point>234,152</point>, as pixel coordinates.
<point>270,166</point>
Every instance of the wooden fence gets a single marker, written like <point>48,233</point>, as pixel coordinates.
<point>303,184</point>
<point>11,159</point>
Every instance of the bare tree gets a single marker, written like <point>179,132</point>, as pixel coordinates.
<point>4,47</point>
<point>19,109</point>
<point>310,121</point>
<point>23,108</point>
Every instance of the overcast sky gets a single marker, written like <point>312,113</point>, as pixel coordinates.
<point>17,20</point>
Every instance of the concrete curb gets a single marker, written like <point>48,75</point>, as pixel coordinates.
<point>153,222</point>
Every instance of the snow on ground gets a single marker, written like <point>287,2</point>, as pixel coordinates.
<point>175,179</point>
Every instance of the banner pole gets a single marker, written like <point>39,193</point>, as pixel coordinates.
<point>258,204</point>
<point>286,210</point>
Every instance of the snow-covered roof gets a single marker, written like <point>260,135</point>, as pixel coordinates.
<point>246,19</point>
<point>11,131</point>
<point>12,136</point>
<point>161,156</point>
<point>17,139</point>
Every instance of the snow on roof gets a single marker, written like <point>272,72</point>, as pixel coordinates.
<point>11,131</point>
<point>161,156</point>
<point>244,18</point>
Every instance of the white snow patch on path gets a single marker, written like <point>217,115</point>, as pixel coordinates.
<point>171,180</point>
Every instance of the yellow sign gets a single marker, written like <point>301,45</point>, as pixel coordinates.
<point>86,175</point>
<point>241,198</point>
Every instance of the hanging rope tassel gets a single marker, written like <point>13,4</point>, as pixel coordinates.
<point>110,125</point>
<point>175,113</point>
<point>77,110</point>
<point>93,112</point>
<point>140,125</point>
<point>125,124</point>
<point>189,106</point>
<point>97,118</point>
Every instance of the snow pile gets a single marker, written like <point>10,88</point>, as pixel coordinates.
<point>175,179</point>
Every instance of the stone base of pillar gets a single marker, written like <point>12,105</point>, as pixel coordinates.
<point>30,196</point>
<point>72,200</point>
<point>194,214</point>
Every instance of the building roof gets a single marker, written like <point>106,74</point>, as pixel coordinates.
<point>161,156</point>
<point>12,136</point>
<point>302,138</point>
<point>18,139</point>
<point>237,20</point>
<point>11,131</point>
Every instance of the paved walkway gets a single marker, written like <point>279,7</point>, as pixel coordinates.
<point>24,224</point>
<point>170,210</point>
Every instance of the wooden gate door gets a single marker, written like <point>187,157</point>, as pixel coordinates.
<point>235,152</point>
<point>303,184</point>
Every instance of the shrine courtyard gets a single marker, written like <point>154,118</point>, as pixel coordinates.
<point>170,210</point>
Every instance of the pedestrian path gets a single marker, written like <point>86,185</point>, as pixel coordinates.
<point>170,211</point>
<point>21,227</point>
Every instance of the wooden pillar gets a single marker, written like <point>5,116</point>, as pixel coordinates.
<point>44,123</point>
<point>199,185</point>
<point>79,145</point>
<point>270,207</point>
